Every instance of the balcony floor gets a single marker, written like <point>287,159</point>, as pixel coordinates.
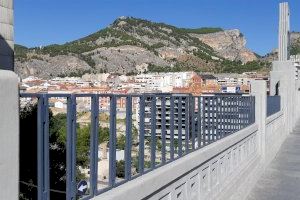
<point>281,181</point>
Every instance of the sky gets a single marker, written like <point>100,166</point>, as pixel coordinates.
<point>43,22</point>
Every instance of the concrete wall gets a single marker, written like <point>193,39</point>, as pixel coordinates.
<point>9,135</point>
<point>6,35</point>
<point>285,74</point>
<point>208,173</point>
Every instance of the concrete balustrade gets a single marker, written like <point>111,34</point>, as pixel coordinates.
<point>275,135</point>
<point>213,172</point>
<point>226,169</point>
<point>9,136</point>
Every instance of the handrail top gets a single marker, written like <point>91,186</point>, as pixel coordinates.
<point>67,95</point>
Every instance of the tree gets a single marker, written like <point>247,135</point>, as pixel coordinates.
<point>120,169</point>
<point>121,142</point>
<point>176,144</point>
<point>28,158</point>
<point>103,134</point>
<point>57,151</point>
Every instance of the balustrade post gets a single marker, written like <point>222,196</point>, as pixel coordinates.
<point>259,90</point>
<point>9,135</point>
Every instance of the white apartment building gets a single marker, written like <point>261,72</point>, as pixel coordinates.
<point>163,81</point>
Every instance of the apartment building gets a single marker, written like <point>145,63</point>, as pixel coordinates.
<point>163,113</point>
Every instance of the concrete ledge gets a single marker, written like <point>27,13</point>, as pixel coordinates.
<point>9,135</point>
<point>144,186</point>
<point>274,117</point>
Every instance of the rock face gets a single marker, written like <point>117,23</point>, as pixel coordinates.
<point>131,45</point>
<point>45,66</point>
<point>294,48</point>
<point>230,44</point>
<point>295,38</point>
<point>124,59</point>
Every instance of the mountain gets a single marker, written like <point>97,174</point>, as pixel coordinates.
<point>130,45</point>
<point>294,49</point>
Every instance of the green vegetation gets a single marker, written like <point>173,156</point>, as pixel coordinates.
<point>238,67</point>
<point>78,73</point>
<point>57,141</point>
<point>224,66</point>
<point>120,169</point>
<point>295,49</point>
<point>204,30</point>
<point>121,142</point>
<point>21,52</point>
<point>28,152</point>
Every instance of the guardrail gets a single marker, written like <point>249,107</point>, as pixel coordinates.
<point>273,105</point>
<point>169,126</point>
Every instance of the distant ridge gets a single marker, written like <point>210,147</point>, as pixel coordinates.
<point>131,45</point>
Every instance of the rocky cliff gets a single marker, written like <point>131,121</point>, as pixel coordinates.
<point>230,44</point>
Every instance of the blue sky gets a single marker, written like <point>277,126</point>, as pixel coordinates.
<point>42,22</point>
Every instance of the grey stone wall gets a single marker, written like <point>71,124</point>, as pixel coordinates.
<point>6,35</point>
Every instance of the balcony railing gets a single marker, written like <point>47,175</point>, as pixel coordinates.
<point>205,119</point>
<point>273,105</point>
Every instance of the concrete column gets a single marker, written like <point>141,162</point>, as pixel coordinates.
<point>9,136</point>
<point>259,90</point>
<point>284,32</point>
<point>6,35</point>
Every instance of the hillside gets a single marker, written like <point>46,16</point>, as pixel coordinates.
<point>295,48</point>
<point>295,43</point>
<point>131,45</point>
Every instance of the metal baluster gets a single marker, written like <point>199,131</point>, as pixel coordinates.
<point>172,123</point>
<point>94,143</point>
<point>43,148</point>
<point>214,118</point>
<point>219,124</point>
<point>153,131</point>
<point>209,119</point>
<point>205,119</point>
<point>163,129</point>
<point>222,118</point>
<point>186,124</point>
<point>193,121</point>
<point>71,148</point>
<point>128,142</point>
<point>199,135</point>
<point>180,126</point>
<point>112,141</point>
<point>142,134</point>
<point>227,116</point>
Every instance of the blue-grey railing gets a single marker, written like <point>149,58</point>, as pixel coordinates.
<point>181,123</point>
<point>273,105</point>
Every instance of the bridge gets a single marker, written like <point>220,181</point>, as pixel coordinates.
<point>216,146</point>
